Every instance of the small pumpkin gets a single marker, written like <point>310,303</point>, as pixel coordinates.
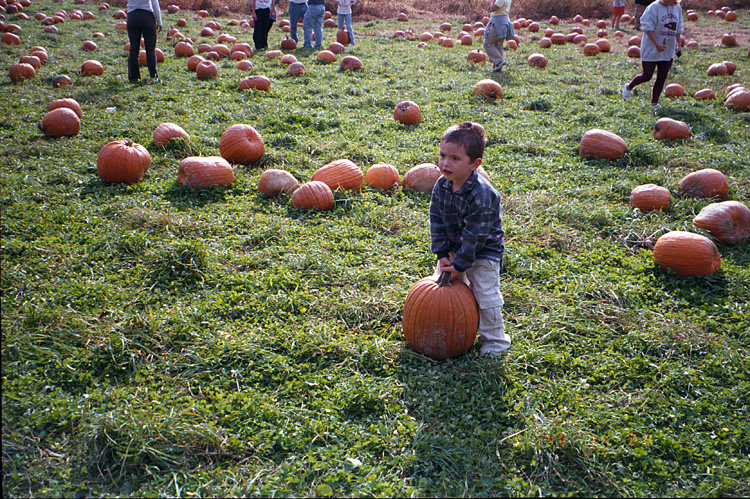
<point>489,89</point>
<point>604,45</point>
<point>70,103</point>
<point>476,56</point>
<point>669,129</point>
<point>601,144</point>
<point>686,254</point>
<point>193,61</point>
<point>21,71</point>
<point>350,63</point>
<point>273,182</point>
<point>441,317</point>
<point>206,70</point>
<point>340,174</point>
<point>326,56</point>
<point>729,40</point>
<point>537,60</point>
<point>407,113</point>
<point>727,221</point>
<point>421,177</point>
<point>313,195</point>
<point>288,44</point>
<point>296,69</point>
<point>123,162</point>
<point>60,122</point>
<point>198,172</point>
<point>717,69</point>
<point>731,67</point>
<point>183,49</point>
<point>382,176</point>
<point>336,48</point>
<point>591,49</point>
<point>674,90</point>
<point>92,68</point>
<point>241,144</point>
<point>650,197</point>
<point>166,132</point>
<point>704,94</point>
<point>705,183</point>
<point>288,59</point>
<point>61,81</point>
<point>255,82</point>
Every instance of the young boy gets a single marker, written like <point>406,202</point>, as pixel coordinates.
<point>466,229</point>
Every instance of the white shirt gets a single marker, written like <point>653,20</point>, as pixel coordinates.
<point>345,6</point>
<point>666,23</point>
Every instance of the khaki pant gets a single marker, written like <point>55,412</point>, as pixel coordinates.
<point>493,46</point>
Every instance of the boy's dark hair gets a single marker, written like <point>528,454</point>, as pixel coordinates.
<point>468,134</point>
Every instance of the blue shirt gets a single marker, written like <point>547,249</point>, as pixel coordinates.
<point>466,222</point>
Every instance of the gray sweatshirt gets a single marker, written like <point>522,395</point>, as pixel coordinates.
<point>149,5</point>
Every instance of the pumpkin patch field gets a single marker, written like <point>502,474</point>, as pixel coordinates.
<point>204,276</point>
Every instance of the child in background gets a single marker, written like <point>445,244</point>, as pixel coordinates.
<point>618,9</point>
<point>497,31</point>
<point>345,17</point>
<point>466,229</point>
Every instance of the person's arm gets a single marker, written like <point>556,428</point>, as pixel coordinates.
<point>157,13</point>
<point>660,47</point>
<point>252,10</point>
<point>493,6</point>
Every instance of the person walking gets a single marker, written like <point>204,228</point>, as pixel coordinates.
<point>344,13</point>
<point>662,25</point>
<point>264,15</point>
<point>497,31</point>
<point>144,20</point>
<point>297,9</point>
<point>313,21</point>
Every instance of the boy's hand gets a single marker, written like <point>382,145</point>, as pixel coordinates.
<point>446,265</point>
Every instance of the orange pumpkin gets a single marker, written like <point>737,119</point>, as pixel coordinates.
<point>60,122</point>
<point>70,103</point>
<point>727,221</point>
<point>489,89</point>
<point>441,317</point>
<point>336,48</point>
<point>350,63</point>
<point>199,172</point>
<point>537,60</point>
<point>601,144</point>
<point>421,177</point>
<point>718,69</point>
<point>241,144</point>
<point>206,70</point>
<point>123,162</point>
<point>604,45</point>
<point>476,56</point>
<point>340,174</point>
<point>590,49</point>
<point>288,44</point>
<point>21,71</point>
<point>407,113</point>
<point>92,68</point>
<point>382,176</point>
<point>256,82</point>
<point>686,254</point>
<point>296,69</point>
<point>313,195</point>
<point>326,56</point>
<point>61,81</point>
<point>669,129</point>
<point>193,61</point>
<point>674,90</point>
<point>273,182</point>
<point>342,36</point>
<point>183,49</point>
<point>705,94</point>
<point>705,183</point>
<point>738,100</point>
<point>166,132</point>
<point>649,197</point>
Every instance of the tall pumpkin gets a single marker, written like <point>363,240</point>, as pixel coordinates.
<point>727,221</point>
<point>441,317</point>
<point>123,162</point>
<point>340,174</point>
<point>601,144</point>
<point>686,254</point>
<point>241,144</point>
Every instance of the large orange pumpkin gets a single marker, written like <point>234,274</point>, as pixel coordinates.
<point>407,113</point>
<point>241,144</point>
<point>340,174</point>
<point>123,162</point>
<point>686,254</point>
<point>21,71</point>
<point>350,63</point>
<point>342,36</point>
<point>382,176</point>
<point>669,129</point>
<point>489,89</point>
<point>727,221</point>
<point>313,195</point>
<point>68,102</point>
<point>705,183</point>
<point>200,172</point>
<point>649,197</point>
<point>441,317</point>
<point>421,177</point>
<point>273,182</point>
<point>601,144</point>
<point>537,60</point>
<point>92,68</point>
<point>738,100</point>
<point>206,70</point>
<point>60,122</point>
<point>166,132</point>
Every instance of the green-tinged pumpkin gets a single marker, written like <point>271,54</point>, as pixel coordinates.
<point>441,317</point>
<point>686,254</point>
<point>273,182</point>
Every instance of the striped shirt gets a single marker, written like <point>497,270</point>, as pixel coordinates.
<point>466,222</point>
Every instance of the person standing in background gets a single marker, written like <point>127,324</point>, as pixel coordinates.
<point>618,9</point>
<point>144,19</point>
<point>297,9</point>
<point>344,13</point>
<point>264,14</point>
<point>497,31</point>
<point>316,10</point>
<point>640,7</point>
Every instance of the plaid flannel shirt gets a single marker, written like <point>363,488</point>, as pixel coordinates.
<point>466,222</point>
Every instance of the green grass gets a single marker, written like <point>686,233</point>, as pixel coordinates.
<point>158,340</point>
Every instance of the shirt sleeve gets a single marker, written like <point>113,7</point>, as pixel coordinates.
<point>477,228</point>
<point>157,11</point>
<point>439,241</point>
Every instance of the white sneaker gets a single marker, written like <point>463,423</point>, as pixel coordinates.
<point>655,107</point>
<point>626,93</point>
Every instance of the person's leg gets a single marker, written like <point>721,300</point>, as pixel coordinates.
<point>493,47</point>
<point>318,15</point>
<point>662,72</point>
<point>296,12</point>
<point>349,29</point>
<point>485,284</point>
<point>135,30</point>
<point>260,33</point>
<point>644,76</point>
<point>639,9</point>
<point>149,42</point>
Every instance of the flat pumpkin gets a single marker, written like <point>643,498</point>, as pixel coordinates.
<point>340,174</point>
<point>198,172</point>
<point>727,221</point>
<point>440,318</point>
<point>686,254</point>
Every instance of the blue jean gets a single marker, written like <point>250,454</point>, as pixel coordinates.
<point>314,20</point>
<point>347,18</point>
<point>296,12</point>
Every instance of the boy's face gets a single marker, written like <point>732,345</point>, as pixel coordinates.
<point>455,164</point>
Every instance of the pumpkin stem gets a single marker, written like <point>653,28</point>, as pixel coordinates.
<point>444,279</point>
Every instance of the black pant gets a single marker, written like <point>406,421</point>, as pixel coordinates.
<point>141,23</point>
<point>263,25</point>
